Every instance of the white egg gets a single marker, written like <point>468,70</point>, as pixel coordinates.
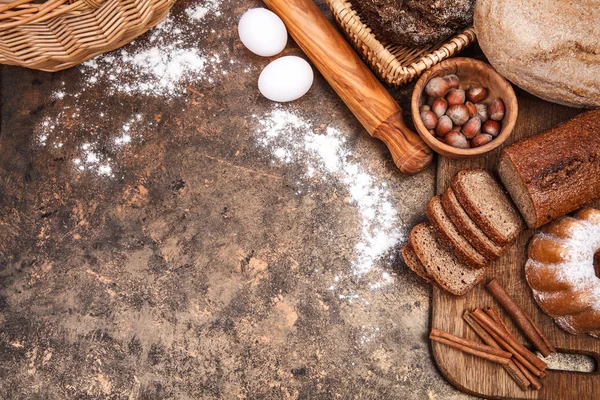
<point>286,79</point>
<point>262,32</point>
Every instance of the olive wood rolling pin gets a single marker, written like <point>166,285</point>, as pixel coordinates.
<point>366,97</point>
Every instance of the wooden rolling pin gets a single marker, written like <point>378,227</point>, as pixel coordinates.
<point>366,97</point>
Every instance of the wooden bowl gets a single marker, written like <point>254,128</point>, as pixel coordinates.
<point>471,73</point>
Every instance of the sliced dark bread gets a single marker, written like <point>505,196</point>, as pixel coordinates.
<point>469,229</point>
<point>482,197</point>
<point>441,264</point>
<point>449,235</point>
<point>411,259</point>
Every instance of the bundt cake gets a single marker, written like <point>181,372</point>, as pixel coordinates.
<point>560,271</point>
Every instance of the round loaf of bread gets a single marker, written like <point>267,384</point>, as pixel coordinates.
<point>550,48</point>
<point>560,271</point>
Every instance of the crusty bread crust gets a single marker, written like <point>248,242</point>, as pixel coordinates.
<point>471,277</point>
<point>559,170</point>
<point>412,261</point>
<point>478,216</point>
<point>549,48</point>
<point>469,229</point>
<point>449,235</point>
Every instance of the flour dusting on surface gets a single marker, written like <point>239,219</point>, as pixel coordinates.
<point>164,64</point>
<point>292,139</point>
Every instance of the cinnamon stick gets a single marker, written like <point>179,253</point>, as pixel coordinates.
<point>533,333</point>
<point>469,343</point>
<point>511,368</point>
<point>516,355</point>
<point>486,321</point>
<point>539,332</point>
<point>469,350</point>
<point>535,383</point>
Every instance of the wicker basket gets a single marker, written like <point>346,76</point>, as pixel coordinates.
<point>57,34</point>
<point>393,63</point>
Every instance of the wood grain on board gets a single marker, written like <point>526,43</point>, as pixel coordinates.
<point>482,378</point>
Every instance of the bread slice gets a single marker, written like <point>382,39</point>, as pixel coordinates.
<point>449,236</point>
<point>482,197</point>
<point>441,264</point>
<point>411,259</point>
<point>469,229</point>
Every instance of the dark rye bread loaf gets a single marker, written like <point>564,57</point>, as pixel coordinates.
<point>449,235</point>
<point>415,23</point>
<point>441,264</point>
<point>412,261</point>
<point>554,173</point>
<point>469,229</point>
<point>488,205</point>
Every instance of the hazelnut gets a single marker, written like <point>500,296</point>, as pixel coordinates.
<point>439,107</point>
<point>471,109</point>
<point>476,94</point>
<point>456,128</point>
<point>456,139</point>
<point>455,96</point>
<point>472,128</point>
<point>444,125</point>
<point>491,127</point>
<point>430,120</point>
<point>496,109</point>
<point>424,107</point>
<point>482,112</point>
<point>453,81</point>
<point>437,87</point>
<point>459,114</point>
<point>481,139</point>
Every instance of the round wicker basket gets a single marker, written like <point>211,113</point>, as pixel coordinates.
<point>391,62</point>
<point>59,34</point>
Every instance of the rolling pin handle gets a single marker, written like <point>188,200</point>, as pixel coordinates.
<point>409,155</point>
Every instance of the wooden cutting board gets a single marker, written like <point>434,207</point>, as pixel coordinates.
<point>482,378</point>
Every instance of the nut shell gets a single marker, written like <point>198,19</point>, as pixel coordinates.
<point>430,120</point>
<point>439,107</point>
<point>455,96</point>
<point>472,128</point>
<point>496,109</point>
<point>476,94</point>
<point>472,109</point>
<point>482,112</point>
<point>456,139</point>
<point>481,139</point>
<point>437,87</point>
<point>453,81</point>
<point>491,127</point>
<point>444,125</point>
<point>459,114</point>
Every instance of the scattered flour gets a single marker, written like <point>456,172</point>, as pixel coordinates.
<point>201,10</point>
<point>292,139</point>
<point>164,64</point>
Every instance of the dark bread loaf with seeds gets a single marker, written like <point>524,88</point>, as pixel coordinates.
<point>554,173</point>
<point>415,23</point>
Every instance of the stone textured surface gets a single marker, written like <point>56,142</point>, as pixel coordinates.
<point>197,270</point>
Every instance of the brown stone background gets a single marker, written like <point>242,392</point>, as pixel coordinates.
<point>198,272</point>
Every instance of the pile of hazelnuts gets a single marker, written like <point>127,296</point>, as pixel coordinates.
<point>458,118</point>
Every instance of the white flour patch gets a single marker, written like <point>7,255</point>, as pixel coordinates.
<point>200,11</point>
<point>164,64</point>
<point>292,139</point>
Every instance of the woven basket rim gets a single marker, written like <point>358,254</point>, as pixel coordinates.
<point>380,54</point>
